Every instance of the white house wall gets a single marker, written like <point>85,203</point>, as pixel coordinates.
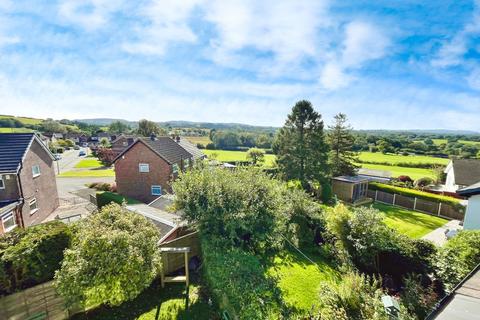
<point>472,216</point>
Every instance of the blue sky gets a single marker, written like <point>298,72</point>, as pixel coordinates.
<point>386,64</point>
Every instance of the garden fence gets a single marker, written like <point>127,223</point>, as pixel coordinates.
<point>416,204</point>
<point>39,302</point>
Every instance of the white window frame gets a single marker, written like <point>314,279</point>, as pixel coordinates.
<point>30,202</point>
<point>175,168</point>
<point>156,194</point>
<point>187,163</point>
<point>144,165</point>
<point>2,183</point>
<point>33,170</point>
<point>125,143</point>
<point>6,217</point>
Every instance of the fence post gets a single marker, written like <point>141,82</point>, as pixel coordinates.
<point>376,195</point>
<point>439,208</point>
<point>394,197</point>
<point>415,204</point>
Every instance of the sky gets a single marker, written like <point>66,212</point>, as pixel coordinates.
<point>396,64</point>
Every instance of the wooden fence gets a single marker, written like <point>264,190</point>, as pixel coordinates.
<point>39,302</point>
<point>173,262</point>
<point>434,208</point>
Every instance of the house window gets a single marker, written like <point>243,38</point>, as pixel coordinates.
<point>143,167</point>
<point>156,190</point>
<point>8,222</point>
<point>186,163</point>
<point>2,184</point>
<point>33,205</point>
<point>175,168</point>
<point>35,170</point>
<point>125,143</point>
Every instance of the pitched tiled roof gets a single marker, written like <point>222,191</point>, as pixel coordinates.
<point>472,190</point>
<point>193,150</point>
<point>466,171</point>
<point>167,148</point>
<point>12,148</point>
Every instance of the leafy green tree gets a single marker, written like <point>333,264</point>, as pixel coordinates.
<point>458,257</point>
<point>256,156</point>
<point>50,125</point>
<point>146,128</point>
<point>104,142</point>
<point>113,258</point>
<point>118,127</point>
<point>342,157</point>
<point>300,146</point>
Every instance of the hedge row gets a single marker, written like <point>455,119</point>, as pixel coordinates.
<point>402,164</point>
<point>106,197</point>
<point>415,193</point>
<point>238,283</point>
<point>31,256</point>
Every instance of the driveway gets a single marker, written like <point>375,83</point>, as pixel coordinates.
<point>68,161</point>
<point>68,187</point>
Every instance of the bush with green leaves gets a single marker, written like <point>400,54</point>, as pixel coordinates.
<point>418,298</point>
<point>245,207</point>
<point>114,256</point>
<point>459,256</point>
<point>238,282</point>
<point>355,297</point>
<point>31,256</point>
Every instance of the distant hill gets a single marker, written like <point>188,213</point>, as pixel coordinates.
<point>421,131</point>
<point>104,121</point>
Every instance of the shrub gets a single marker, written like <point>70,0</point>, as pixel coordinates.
<point>423,182</point>
<point>210,146</point>
<point>458,257</point>
<point>114,256</point>
<point>238,283</point>
<point>405,179</point>
<point>355,297</point>
<point>417,298</point>
<point>29,257</point>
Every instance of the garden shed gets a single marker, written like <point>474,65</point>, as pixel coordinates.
<point>351,189</point>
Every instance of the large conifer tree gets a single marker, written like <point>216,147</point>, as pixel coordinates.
<point>342,158</point>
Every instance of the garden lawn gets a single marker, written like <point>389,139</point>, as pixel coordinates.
<point>23,120</point>
<point>395,158</point>
<point>157,303</point>
<point>89,173</point>
<point>299,279</point>
<point>14,130</point>
<point>410,223</point>
<point>414,173</point>
<point>230,156</point>
<point>89,163</point>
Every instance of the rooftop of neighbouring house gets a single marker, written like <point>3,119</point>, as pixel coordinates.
<point>12,149</point>
<point>193,150</point>
<point>351,179</point>
<point>463,303</point>
<point>469,191</point>
<point>374,173</point>
<point>466,171</point>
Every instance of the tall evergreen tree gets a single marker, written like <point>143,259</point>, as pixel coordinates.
<point>300,146</point>
<point>342,157</point>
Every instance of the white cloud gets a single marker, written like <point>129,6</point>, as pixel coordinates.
<point>88,14</point>
<point>168,21</point>
<point>363,42</point>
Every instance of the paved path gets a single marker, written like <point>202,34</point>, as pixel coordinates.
<point>438,237</point>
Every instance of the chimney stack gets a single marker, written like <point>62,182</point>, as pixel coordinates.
<point>177,138</point>
<point>153,137</point>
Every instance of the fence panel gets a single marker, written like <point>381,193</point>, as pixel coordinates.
<point>405,202</point>
<point>448,211</point>
<point>427,206</point>
<point>39,300</point>
<point>384,197</point>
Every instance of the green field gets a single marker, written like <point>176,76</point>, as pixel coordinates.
<point>410,223</point>
<point>14,130</point>
<point>89,163</point>
<point>88,173</point>
<point>203,140</point>
<point>395,159</point>
<point>414,173</point>
<point>24,120</point>
<point>299,279</point>
<point>227,155</point>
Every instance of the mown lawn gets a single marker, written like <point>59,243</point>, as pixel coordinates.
<point>24,120</point>
<point>158,303</point>
<point>395,158</point>
<point>227,155</point>
<point>410,223</point>
<point>204,140</point>
<point>414,173</point>
<point>14,130</point>
<point>89,163</point>
<point>299,279</point>
<point>89,173</point>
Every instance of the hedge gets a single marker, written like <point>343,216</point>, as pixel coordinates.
<point>238,282</point>
<point>106,197</point>
<point>402,164</point>
<point>31,256</point>
<point>415,193</point>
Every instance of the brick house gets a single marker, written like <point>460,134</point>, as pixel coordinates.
<point>28,189</point>
<point>121,143</point>
<point>144,170</point>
